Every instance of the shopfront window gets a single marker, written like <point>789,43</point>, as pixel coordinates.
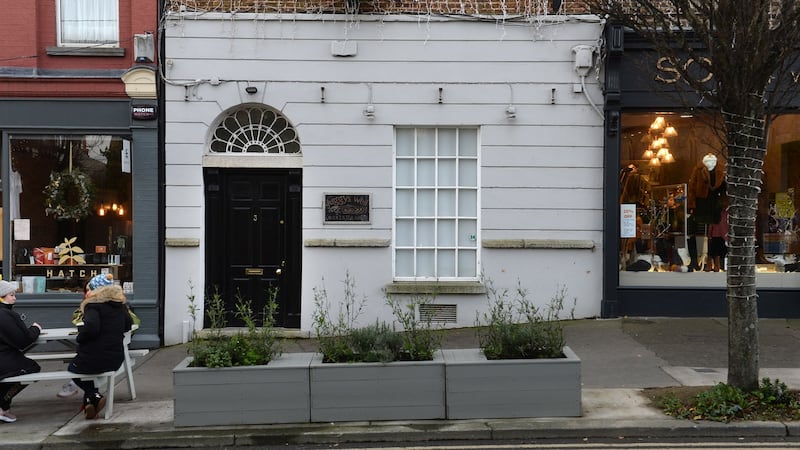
<point>673,219</point>
<point>67,211</point>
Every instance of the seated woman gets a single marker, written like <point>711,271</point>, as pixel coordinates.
<point>15,337</point>
<point>100,337</point>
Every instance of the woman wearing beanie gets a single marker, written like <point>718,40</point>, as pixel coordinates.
<point>100,337</point>
<point>15,337</point>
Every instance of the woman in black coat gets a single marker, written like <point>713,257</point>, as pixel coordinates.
<point>15,338</point>
<point>100,338</point>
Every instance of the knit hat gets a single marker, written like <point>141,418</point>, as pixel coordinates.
<point>98,281</point>
<point>7,288</point>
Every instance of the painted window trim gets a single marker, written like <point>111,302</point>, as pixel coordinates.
<point>89,46</point>
<point>458,187</point>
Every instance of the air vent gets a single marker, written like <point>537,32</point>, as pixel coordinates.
<point>438,313</point>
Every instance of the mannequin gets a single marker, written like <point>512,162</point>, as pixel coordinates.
<point>704,200</point>
<point>706,188</point>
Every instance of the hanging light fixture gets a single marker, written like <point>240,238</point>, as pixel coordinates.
<point>114,208</point>
<point>657,150</point>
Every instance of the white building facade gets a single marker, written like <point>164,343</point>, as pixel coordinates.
<point>406,154</point>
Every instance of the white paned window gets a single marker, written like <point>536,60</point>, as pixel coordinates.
<point>436,204</point>
<point>88,22</point>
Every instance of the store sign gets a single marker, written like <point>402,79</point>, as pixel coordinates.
<point>668,73</point>
<point>347,208</point>
<point>143,112</point>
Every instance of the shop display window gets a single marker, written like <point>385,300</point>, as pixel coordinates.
<point>67,212</point>
<point>673,203</point>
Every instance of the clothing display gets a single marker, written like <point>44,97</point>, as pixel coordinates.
<point>706,189</point>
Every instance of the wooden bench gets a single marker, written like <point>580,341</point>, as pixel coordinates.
<point>98,378</point>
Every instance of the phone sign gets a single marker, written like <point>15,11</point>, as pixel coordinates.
<point>143,112</point>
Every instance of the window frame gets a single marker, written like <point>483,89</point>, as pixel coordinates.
<point>437,216</point>
<point>115,43</point>
<point>11,266</point>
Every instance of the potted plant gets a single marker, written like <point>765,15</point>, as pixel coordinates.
<point>374,372</point>
<point>239,377</point>
<point>523,368</point>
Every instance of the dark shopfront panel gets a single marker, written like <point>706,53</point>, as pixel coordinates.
<point>99,140</point>
<point>657,144</point>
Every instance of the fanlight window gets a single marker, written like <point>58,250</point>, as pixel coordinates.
<point>255,130</point>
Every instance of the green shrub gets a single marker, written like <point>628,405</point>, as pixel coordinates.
<point>725,403</point>
<point>255,346</point>
<point>515,328</point>
<point>420,338</point>
<point>342,340</point>
<point>375,343</point>
<point>333,334</point>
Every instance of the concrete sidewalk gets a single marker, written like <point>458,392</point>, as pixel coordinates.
<point>619,358</point>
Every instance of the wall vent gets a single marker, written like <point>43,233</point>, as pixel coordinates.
<point>438,313</point>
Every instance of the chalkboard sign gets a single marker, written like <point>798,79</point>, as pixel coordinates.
<point>347,208</point>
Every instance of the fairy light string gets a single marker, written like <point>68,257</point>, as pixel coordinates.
<point>746,152</point>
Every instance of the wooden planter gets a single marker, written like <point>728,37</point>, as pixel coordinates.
<point>478,388</point>
<point>274,393</point>
<point>376,391</point>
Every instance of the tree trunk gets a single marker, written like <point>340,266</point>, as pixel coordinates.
<point>745,158</point>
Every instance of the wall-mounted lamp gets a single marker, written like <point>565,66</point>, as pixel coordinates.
<point>251,89</point>
<point>511,111</point>
<point>369,110</point>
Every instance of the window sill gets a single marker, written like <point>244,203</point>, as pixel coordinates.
<point>436,287</point>
<point>85,51</point>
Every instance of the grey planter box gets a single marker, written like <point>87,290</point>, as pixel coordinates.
<point>375,391</point>
<point>274,393</point>
<point>478,388</point>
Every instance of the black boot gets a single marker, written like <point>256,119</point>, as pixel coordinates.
<point>93,404</point>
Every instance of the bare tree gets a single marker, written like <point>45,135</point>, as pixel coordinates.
<point>750,49</point>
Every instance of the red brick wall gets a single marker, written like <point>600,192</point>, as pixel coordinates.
<point>29,27</point>
<point>19,44</point>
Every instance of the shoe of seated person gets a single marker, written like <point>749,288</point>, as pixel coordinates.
<point>93,404</point>
<point>7,416</point>
<point>68,390</point>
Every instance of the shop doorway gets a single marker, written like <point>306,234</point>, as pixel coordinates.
<point>253,240</point>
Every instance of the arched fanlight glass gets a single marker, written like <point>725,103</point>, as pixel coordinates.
<point>255,130</point>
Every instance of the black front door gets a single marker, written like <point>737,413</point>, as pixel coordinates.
<point>253,238</point>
